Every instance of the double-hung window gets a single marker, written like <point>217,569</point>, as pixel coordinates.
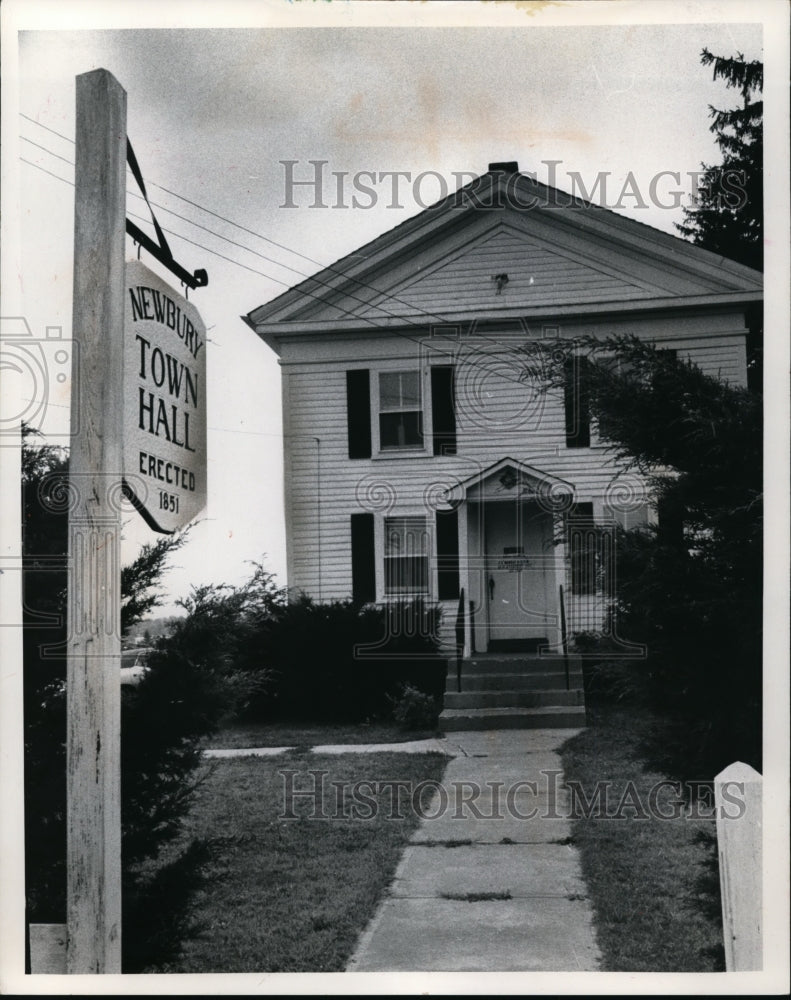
<point>406,552</point>
<point>400,410</point>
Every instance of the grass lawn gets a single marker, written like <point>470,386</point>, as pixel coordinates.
<point>302,735</point>
<point>653,882</point>
<point>293,894</point>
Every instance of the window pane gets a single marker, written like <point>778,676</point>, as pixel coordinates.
<point>401,429</point>
<point>635,517</point>
<point>389,390</point>
<point>399,390</point>
<point>406,576</point>
<point>405,536</point>
<point>410,390</point>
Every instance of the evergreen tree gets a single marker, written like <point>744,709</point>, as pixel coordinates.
<point>191,683</point>
<point>690,588</point>
<point>728,216</point>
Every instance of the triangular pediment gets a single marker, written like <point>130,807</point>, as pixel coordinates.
<point>509,479</point>
<point>509,266</point>
<point>503,260</point>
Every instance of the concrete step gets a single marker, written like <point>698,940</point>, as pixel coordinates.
<point>514,663</point>
<point>512,682</point>
<point>547,717</point>
<point>514,699</point>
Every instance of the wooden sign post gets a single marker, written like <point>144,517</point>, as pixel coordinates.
<point>93,749</point>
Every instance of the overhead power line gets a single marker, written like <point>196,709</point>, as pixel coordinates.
<point>267,239</point>
<point>358,281</point>
<point>431,317</point>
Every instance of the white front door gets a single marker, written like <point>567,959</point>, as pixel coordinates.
<point>516,572</point>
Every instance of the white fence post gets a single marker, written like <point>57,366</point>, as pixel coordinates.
<point>738,801</point>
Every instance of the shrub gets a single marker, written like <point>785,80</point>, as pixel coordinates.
<point>193,681</point>
<point>414,709</point>
<point>690,588</point>
<point>340,662</point>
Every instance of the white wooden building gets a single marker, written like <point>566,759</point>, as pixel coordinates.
<point>418,461</point>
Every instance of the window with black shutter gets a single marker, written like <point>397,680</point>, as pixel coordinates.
<point>358,412</point>
<point>363,558</point>
<point>447,555</point>
<point>443,410</point>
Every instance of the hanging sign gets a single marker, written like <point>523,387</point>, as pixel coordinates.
<point>164,402</point>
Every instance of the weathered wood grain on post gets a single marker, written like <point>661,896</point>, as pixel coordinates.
<point>739,801</point>
<point>94,602</point>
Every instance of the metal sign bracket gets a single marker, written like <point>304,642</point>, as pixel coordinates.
<point>160,251</point>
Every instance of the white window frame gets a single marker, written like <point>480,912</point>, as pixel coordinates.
<point>380,531</point>
<point>424,376</point>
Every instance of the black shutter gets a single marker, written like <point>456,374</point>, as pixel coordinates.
<point>363,559</point>
<point>443,411</point>
<point>670,517</point>
<point>447,555</point>
<point>577,403</point>
<point>358,412</point>
<point>582,540</point>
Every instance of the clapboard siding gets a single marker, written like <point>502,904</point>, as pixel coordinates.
<point>561,262</point>
<point>496,416</point>
<point>572,272</point>
<point>536,275</point>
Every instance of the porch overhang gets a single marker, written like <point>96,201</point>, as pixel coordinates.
<point>508,479</point>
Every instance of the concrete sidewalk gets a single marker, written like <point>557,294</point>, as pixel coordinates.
<point>489,881</point>
<point>448,747</point>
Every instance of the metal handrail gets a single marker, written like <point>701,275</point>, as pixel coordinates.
<point>564,638</point>
<point>459,638</point>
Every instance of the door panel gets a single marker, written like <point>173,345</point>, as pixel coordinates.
<point>516,577</point>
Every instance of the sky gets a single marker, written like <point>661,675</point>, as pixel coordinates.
<point>212,115</point>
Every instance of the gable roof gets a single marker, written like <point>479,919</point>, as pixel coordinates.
<point>561,256</point>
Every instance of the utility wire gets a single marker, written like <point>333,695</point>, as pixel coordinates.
<point>385,295</point>
<point>230,260</point>
<point>307,277</point>
<point>252,270</point>
<point>378,326</point>
<point>38,166</point>
<point>46,150</point>
<point>212,232</point>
